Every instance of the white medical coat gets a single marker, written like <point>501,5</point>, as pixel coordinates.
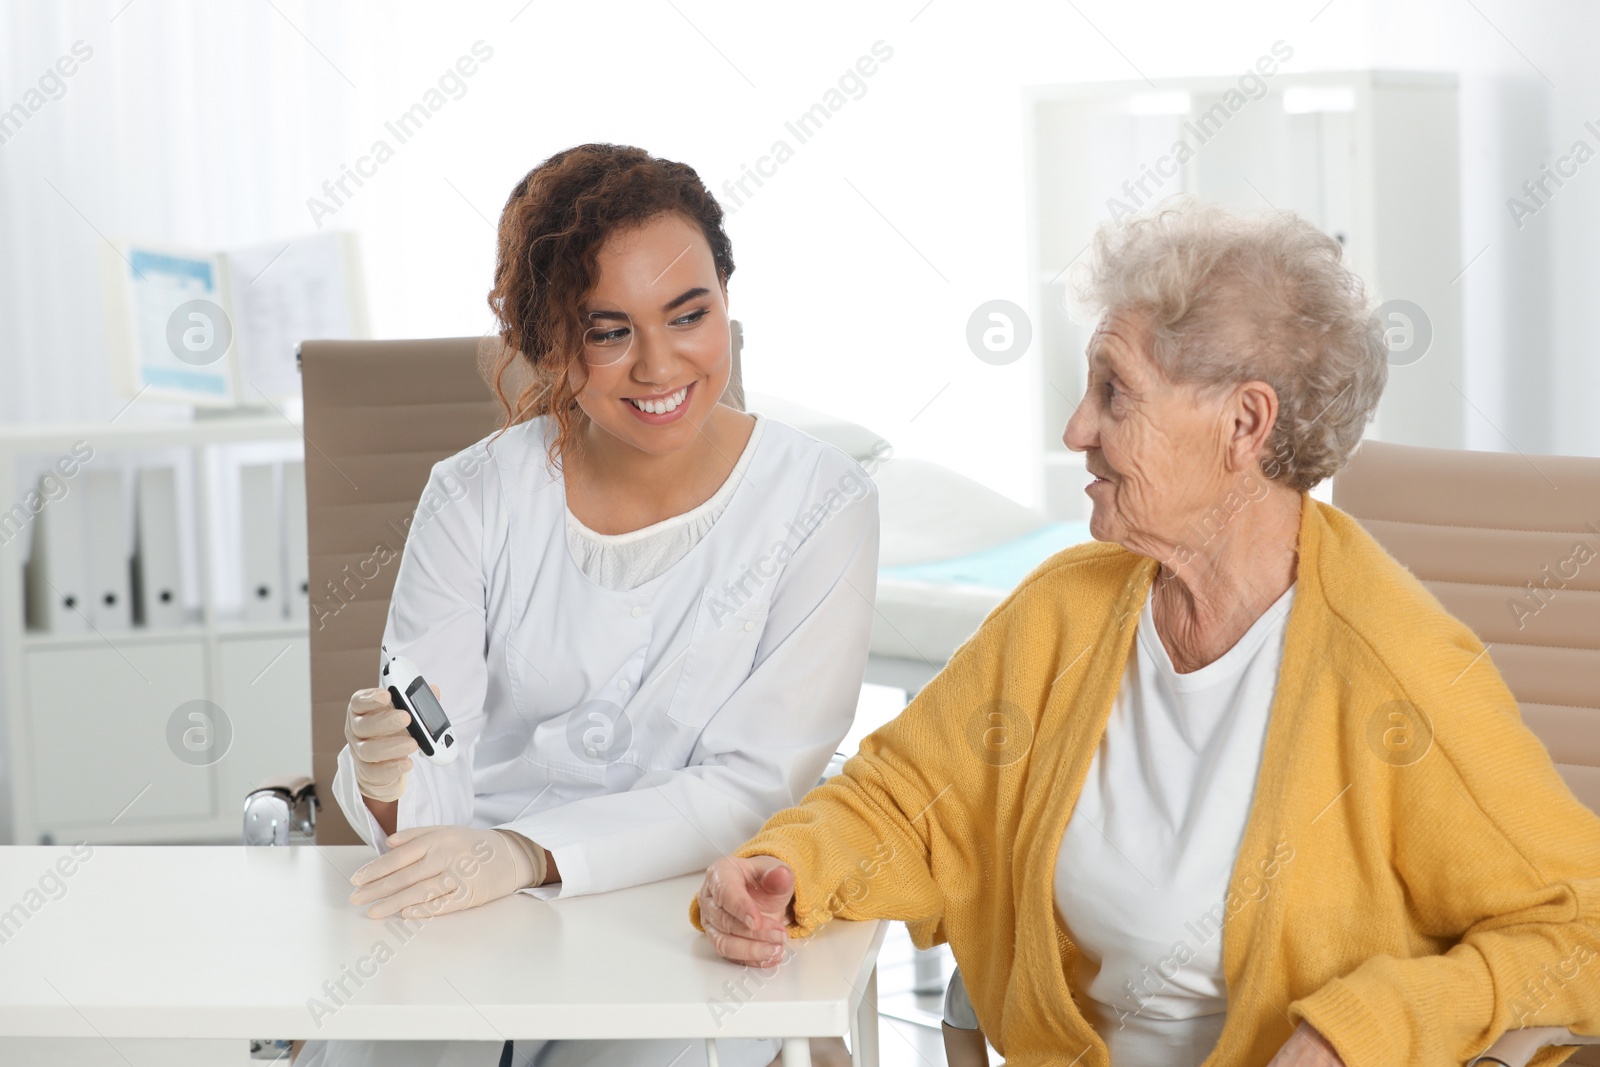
<point>636,734</point>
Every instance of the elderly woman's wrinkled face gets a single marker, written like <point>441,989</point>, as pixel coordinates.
<point>1158,448</point>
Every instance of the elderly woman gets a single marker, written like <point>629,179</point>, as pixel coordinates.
<point>1228,785</point>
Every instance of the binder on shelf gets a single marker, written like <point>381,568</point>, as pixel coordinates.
<point>110,561</point>
<point>57,574</point>
<point>158,600</point>
<point>261,522</point>
<point>298,589</point>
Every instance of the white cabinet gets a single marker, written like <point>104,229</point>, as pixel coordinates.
<point>100,728</point>
<point>152,733</point>
<point>159,737</point>
<point>264,687</point>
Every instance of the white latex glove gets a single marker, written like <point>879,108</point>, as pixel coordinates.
<point>379,745</point>
<point>433,870</point>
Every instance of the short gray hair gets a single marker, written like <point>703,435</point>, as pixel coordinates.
<point>1233,298</point>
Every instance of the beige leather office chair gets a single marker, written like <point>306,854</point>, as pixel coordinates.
<point>378,416</point>
<point>1477,528</point>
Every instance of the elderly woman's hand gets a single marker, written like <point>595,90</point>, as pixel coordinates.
<point>745,907</point>
<point>1306,1048</point>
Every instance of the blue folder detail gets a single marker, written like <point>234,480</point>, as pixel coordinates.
<point>187,380</point>
<point>1000,567</point>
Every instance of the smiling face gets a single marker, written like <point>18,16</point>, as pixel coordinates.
<point>657,352</point>
<point>1163,452</point>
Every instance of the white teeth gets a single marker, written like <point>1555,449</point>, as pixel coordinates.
<point>661,407</point>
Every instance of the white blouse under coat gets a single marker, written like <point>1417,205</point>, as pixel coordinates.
<point>627,560</point>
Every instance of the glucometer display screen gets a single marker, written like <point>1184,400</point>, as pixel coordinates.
<point>421,697</point>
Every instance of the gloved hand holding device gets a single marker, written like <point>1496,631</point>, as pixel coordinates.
<point>428,870</point>
<point>380,745</point>
<point>384,726</point>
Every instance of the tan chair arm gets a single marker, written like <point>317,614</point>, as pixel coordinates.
<point>964,1048</point>
<point>1516,1047</point>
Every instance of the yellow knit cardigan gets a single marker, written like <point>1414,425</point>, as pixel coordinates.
<point>1415,877</point>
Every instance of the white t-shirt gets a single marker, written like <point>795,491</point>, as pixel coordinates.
<point>1142,873</point>
<point>628,560</point>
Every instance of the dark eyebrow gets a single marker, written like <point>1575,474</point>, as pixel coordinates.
<point>677,301</point>
<point>685,297</point>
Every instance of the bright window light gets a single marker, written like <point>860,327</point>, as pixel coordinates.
<point>1172,103</point>
<point>1305,99</point>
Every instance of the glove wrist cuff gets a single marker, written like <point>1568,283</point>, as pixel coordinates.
<point>532,864</point>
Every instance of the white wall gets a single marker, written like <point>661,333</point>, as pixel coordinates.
<point>858,262</point>
<point>1528,85</point>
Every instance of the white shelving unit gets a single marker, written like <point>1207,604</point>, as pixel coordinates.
<point>1369,156</point>
<point>87,714</point>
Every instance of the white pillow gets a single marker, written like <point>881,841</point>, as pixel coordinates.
<point>854,440</point>
<point>929,512</point>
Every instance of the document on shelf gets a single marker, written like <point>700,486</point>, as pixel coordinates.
<point>167,328</point>
<point>219,328</point>
<point>284,293</point>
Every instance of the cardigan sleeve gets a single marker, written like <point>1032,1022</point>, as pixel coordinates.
<point>1501,862</point>
<point>861,844</point>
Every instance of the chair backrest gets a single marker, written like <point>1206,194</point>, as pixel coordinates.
<point>378,416</point>
<point>1510,545</point>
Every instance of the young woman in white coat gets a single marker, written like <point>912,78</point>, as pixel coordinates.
<point>646,613</point>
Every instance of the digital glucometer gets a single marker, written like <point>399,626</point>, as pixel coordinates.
<point>429,726</point>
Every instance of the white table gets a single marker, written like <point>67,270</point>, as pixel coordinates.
<point>222,942</point>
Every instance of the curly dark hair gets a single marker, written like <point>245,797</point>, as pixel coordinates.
<point>551,230</point>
